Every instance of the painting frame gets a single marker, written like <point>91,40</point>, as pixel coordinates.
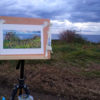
<point>39,24</point>
<point>25,50</point>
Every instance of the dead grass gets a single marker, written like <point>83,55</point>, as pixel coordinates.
<point>60,78</point>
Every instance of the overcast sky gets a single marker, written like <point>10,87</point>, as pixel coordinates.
<point>81,15</point>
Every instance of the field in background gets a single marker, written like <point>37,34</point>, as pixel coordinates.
<point>73,73</point>
<point>76,54</point>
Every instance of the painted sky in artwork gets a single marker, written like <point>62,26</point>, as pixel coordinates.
<point>22,34</point>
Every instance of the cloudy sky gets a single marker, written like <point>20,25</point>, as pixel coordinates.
<point>80,15</point>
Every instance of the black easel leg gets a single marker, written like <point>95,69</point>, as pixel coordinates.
<point>22,69</point>
<point>26,90</point>
<point>21,86</point>
<point>14,92</point>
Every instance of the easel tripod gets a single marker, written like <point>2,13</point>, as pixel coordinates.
<point>21,86</point>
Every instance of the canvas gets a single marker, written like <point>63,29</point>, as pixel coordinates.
<point>17,39</point>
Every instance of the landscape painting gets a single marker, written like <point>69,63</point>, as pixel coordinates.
<point>18,39</point>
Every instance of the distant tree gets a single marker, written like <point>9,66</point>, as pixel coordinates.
<point>67,35</point>
<point>70,36</point>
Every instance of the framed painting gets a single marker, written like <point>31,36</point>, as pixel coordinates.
<point>24,41</point>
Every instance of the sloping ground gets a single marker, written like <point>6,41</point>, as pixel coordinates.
<point>73,73</point>
<point>58,82</point>
<point>64,82</point>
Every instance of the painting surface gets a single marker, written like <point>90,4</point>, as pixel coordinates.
<point>15,39</point>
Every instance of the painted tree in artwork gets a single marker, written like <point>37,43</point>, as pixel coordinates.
<point>11,36</point>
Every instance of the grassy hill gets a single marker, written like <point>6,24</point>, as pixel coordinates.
<point>73,72</point>
<point>78,54</point>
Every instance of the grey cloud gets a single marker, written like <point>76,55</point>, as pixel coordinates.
<point>86,12</point>
<point>73,10</point>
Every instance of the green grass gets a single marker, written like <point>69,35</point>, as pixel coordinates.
<point>91,74</point>
<point>28,43</point>
<point>73,54</point>
<point>76,53</point>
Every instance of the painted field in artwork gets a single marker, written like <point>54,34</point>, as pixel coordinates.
<point>15,39</point>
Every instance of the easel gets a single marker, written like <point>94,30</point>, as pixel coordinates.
<point>21,86</point>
